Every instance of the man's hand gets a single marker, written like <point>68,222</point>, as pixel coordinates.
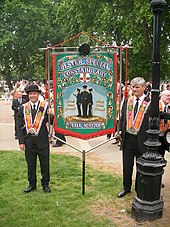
<point>118,136</point>
<point>49,111</point>
<point>22,147</point>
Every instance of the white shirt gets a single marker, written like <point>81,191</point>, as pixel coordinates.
<point>163,106</point>
<point>36,104</point>
<point>139,101</point>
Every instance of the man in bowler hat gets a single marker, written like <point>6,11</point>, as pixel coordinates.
<point>33,137</point>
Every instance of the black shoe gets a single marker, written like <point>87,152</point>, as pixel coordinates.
<point>30,189</point>
<point>46,189</point>
<point>162,185</point>
<point>57,145</point>
<point>16,137</point>
<point>122,193</point>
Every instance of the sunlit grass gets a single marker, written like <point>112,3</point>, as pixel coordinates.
<point>65,205</point>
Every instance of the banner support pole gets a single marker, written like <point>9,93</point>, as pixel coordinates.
<point>83,171</point>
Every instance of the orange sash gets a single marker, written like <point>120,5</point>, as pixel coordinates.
<point>135,123</point>
<point>163,126</point>
<point>34,127</point>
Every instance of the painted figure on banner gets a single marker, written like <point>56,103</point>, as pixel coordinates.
<point>90,102</point>
<point>78,102</point>
<point>85,100</point>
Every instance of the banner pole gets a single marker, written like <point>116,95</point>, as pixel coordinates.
<point>83,172</point>
<point>120,83</point>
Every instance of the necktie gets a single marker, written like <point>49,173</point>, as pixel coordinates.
<point>136,108</point>
<point>165,110</point>
<point>33,112</point>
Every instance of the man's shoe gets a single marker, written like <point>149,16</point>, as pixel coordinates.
<point>122,193</point>
<point>30,189</point>
<point>46,189</point>
<point>57,145</point>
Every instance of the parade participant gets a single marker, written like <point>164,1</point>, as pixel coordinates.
<point>164,107</point>
<point>134,122</point>
<point>85,100</point>
<point>33,137</point>
<point>78,102</point>
<point>90,102</point>
<point>16,103</point>
<point>61,136</point>
<point>6,94</point>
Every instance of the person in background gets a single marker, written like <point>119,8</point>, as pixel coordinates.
<point>6,94</point>
<point>164,107</point>
<point>15,90</point>
<point>61,136</point>
<point>16,103</point>
<point>33,138</point>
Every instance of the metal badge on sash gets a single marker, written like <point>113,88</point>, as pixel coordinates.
<point>31,131</point>
<point>161,133</point>
<point>132,131</point>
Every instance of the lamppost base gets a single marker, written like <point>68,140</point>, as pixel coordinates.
<point>147,211</point>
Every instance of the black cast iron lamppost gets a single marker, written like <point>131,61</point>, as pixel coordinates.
<point>148,204</point>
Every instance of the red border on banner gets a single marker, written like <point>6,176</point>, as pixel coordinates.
<point>75,134</point>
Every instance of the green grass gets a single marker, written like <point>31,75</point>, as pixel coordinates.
<point>65,205</point>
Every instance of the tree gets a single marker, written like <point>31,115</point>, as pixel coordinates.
<point>26,26</point>
<point>127,22</point>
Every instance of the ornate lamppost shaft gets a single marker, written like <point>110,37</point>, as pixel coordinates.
<point>148,204</point>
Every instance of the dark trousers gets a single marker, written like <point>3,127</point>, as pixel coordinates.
<point>84,107</point>
<point>31,159</point>
<point>15,119</point>
<point>90,110</point>
<point>79,109</point>
<point>130,151</point>
<point>61,136</point>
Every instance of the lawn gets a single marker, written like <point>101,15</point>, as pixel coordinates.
<point>65,205</point>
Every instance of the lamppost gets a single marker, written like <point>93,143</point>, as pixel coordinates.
<point>148,204</point>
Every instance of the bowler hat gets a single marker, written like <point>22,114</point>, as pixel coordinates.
<point>33,87</point>
<point>84,86</point>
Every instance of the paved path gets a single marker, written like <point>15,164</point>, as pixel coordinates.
<point>107,153</point>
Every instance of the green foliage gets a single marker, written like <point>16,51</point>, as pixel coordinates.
<point>65,205</point>
<point>27,26</point>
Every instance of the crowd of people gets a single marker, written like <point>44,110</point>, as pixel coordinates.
<point>32,112</point>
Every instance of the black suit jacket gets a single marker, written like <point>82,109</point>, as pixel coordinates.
<point>15,105</point>
<point>41,140</point>
<point>142,135</point>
